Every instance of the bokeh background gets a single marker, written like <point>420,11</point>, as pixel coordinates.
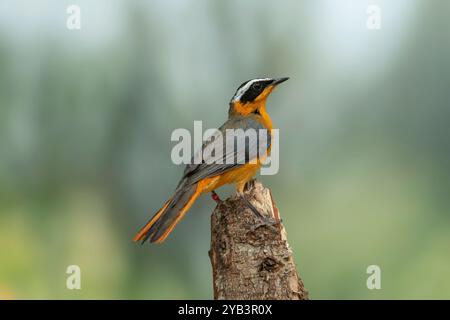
<point>86,118</point>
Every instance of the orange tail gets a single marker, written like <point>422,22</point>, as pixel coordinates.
<point>165,220</point>
<point>143,232</point>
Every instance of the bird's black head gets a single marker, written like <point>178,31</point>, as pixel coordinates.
<point>250,90</point>
<point>253,93</point>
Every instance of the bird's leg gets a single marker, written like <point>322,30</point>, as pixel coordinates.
<point>215,196</point>
<point>251,207</point>
<point>265,220</point>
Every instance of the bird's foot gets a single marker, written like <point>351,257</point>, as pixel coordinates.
<point>215,197</point>
<point>264,220</point>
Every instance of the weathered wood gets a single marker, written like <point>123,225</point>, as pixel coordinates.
<point>251,258</point>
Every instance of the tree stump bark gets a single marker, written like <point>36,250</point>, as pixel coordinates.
<point>251,258</point>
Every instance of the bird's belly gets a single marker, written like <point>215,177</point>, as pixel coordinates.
<point>238,176</point>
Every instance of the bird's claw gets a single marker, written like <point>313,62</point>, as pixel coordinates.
<point>264,220</point>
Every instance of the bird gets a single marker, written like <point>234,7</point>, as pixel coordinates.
<point>247,109</point>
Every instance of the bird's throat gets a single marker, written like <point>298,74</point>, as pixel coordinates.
<point>256,110</point>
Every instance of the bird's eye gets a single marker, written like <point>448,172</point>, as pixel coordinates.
<point>256,86</point>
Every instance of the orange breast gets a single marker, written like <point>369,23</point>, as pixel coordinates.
<point>238,176</point>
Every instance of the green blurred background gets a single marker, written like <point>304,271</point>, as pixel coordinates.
<point>86,118</point>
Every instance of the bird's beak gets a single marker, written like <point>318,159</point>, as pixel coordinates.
<point>279,80</point>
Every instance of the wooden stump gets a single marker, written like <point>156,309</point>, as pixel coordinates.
<point>251,259</point>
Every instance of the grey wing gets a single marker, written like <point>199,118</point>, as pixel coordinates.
<point>223,151</point>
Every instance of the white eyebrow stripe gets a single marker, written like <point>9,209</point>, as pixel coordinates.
<point>242,90</point>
